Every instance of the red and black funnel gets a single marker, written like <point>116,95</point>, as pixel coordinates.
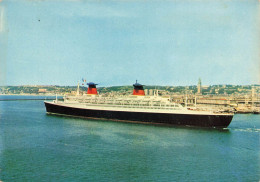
<point>138,89</point>
<point>92,90</point>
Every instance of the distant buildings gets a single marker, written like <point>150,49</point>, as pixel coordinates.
<point>251,91</point>
<point>244,98</point>
<point>42,90</point>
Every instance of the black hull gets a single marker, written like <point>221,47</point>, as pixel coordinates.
<point>218,121</point>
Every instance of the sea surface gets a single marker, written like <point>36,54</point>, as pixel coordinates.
<point>35,146</point>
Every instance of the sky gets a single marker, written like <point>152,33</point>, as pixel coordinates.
<point>157,42</point>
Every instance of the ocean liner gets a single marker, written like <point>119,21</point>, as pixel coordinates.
<point>137,108</point>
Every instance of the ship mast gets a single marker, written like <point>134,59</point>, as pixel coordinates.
<point>77,94</point>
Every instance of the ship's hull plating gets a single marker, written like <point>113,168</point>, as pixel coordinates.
<point>219,121</point>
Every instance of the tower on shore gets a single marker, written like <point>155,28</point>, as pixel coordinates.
<point>199,87</point>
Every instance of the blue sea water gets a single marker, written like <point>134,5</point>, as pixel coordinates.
<point>35,146</point>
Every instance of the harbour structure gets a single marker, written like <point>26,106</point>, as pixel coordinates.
<point>136,108</point>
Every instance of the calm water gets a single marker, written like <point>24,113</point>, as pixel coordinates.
<point>39,147</point>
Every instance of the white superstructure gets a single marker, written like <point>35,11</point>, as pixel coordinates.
<point>152,104</point>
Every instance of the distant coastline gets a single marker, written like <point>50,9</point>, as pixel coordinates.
<point>223,89</point>
<point>242,98</point>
